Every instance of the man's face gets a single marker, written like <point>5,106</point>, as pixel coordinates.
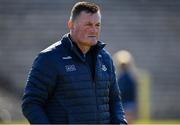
<point>86,28</point>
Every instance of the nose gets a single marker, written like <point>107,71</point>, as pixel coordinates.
<point>94,29</point>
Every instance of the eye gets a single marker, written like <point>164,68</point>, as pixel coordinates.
<point>98,25</point>
<point>88,24</point>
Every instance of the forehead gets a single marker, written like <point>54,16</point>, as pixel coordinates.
<point>92,17</point>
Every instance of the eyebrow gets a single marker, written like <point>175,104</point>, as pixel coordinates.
<point>95,24</point>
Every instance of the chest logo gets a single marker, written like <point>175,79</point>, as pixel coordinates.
<point>67,57</point>
<point>70,68</point>
<point>104,68</point>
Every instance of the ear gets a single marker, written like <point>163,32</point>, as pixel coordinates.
<point>70,24</point>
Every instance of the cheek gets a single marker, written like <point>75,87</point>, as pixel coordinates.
<point>78,32</point>
<point>84,32</point>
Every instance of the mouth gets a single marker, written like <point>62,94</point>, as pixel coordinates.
<point>92,36</point>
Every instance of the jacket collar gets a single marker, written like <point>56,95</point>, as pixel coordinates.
<point>67,42</point>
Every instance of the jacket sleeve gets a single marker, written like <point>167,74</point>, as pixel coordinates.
<point>39,85</point>
<point>116,109</point>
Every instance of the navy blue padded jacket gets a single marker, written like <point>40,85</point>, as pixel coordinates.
<point>60,88</point>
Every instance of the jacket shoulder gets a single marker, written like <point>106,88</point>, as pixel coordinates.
<point>106,55</point>
<point>49,54</point>
<point>52,48</point>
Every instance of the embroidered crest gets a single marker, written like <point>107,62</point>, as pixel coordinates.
<point>70,68</point>
<point>104,68</point>
<point>100,56</point>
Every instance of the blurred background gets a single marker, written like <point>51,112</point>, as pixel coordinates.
<point>148,29</point>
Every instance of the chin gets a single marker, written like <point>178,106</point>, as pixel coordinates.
<point>93,42</point>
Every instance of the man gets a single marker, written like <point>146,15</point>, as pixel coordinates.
<point>73,80</point>
<point>128,83</point>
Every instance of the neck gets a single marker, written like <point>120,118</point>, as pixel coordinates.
<point>83,48</point>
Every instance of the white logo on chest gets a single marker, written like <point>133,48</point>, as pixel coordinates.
<point>67,57</point>
<point>104,68</point>
<point>70,68</point>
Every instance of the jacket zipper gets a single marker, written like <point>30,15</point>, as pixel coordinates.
<point>94,87</point>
